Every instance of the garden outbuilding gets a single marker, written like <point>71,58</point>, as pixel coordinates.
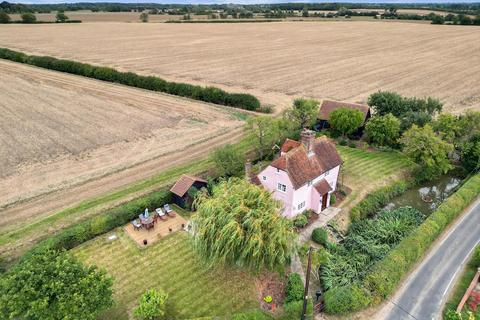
<point>185,188</point>
<point>328,106</point>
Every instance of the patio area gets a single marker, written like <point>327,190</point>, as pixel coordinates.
<point>161,228</point>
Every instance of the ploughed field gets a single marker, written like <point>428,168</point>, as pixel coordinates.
<point>345,60</point>
<point>58,131</point>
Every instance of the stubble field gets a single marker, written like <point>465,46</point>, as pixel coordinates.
<point>340,60</point>
<point>88,16</point>
<point>58,131</point>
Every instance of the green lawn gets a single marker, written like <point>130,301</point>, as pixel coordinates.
<point>364,171</point>
<point>463,283</point>
<point>169,264</point>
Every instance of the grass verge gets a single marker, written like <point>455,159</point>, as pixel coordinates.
<point>463,283</point>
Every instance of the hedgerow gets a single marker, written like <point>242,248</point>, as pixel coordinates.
<point>207,94</point>
<point>377,199</point>
<point>387,274</point>
<point>118,216</point>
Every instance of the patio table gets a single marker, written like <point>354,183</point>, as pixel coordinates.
<point>148,223</point>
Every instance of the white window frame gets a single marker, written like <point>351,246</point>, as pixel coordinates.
<point>327,172</point>
<point>281,187</point>
<point>301,205</point>
<point>310,183</point>
<point>264,178</point>
<point>278,171</point>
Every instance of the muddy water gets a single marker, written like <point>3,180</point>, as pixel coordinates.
<point>435,191</point>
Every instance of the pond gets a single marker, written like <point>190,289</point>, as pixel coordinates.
<point>427,196</point>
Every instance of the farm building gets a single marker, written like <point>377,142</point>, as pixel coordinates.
<point>182,190</point>
<point>328,106</point>
<point>304,175</point>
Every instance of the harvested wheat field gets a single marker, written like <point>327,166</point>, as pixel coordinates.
<point>345,60</point>
<point>58,131</point>
<point>88,16</point>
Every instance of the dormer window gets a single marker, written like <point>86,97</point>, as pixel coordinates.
<point>281,187</point>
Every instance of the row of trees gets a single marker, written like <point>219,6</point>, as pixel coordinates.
<point>29,17</point>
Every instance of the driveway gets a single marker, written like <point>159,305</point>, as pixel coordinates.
<point>424,293</point>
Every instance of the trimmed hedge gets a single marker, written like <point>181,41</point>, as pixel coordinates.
<point>377,199</point>
<point>387,274</point>
<point>294,289</point>
<point>207,94</point>
<point>118,216</point>
<point>343,300</point>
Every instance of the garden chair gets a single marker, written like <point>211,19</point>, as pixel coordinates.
<point>136,225</point>
<point>169,210</point>
<point>161,214</point>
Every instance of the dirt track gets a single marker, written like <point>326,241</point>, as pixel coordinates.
<point>341,60</point>
<point>66,138</point>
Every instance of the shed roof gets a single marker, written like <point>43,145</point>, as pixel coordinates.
<point>328,106</point>
<point>184,183</point>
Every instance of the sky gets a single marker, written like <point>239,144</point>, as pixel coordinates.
<point>243,1</point>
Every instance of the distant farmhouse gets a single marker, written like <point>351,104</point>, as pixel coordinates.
<point>328,106</point>
<point>304,175</point>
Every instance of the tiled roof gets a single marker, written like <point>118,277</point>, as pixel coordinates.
<point>289,144</point>
<point>322,187</point>
<point>301,168</point>
<point>184,183</point>
<point>330,105</point>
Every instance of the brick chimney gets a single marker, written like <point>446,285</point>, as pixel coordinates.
<point>307,138</point>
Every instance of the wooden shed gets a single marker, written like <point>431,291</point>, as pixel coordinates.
<point>180,189</point>
<point>328,106</point>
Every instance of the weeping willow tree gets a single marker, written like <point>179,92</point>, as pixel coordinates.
<point>239,224</point>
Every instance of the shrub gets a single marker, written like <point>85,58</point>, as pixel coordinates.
<point>152,305</point>
<point>342,300</point>
<point>300,221</point>
<point>28,17</point>
<point>320,236</point>
<point>207,94</point>
<point>387,274</point>
<point>333,199</point>
<point>343,142</point>
<point>352,144</point>
<point>293,310</point>
<point>308,213</point>
<point>377,199</point>
<point>294,289</point>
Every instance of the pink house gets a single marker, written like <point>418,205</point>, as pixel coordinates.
<point>305,174</point>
